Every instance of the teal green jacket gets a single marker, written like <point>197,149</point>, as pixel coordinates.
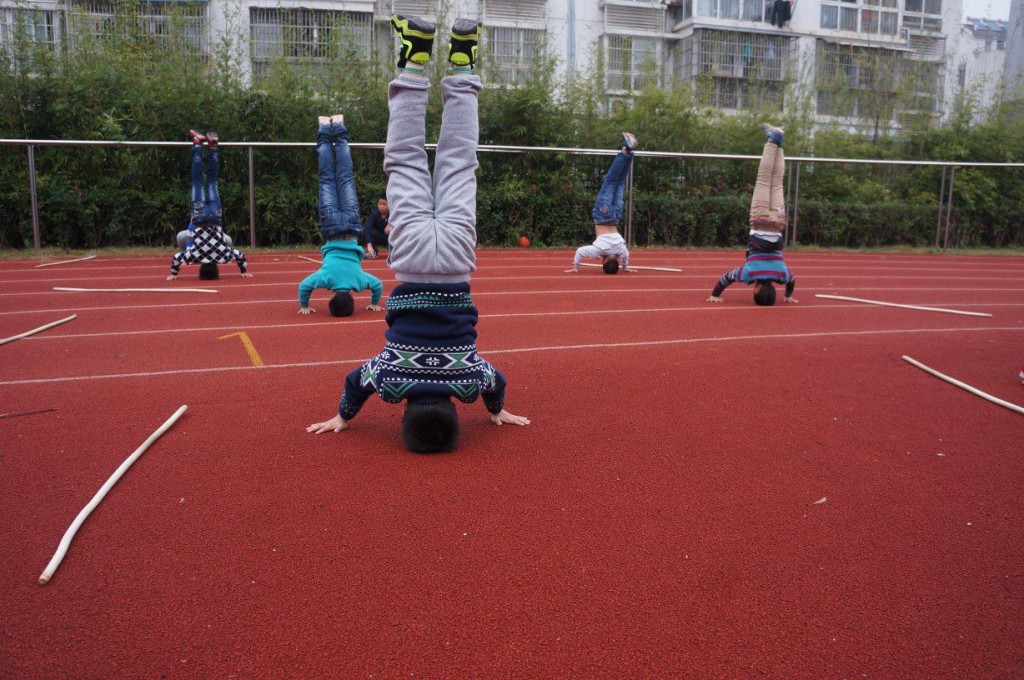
<point>341,271</point>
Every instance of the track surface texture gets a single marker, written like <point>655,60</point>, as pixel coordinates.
<point>661,517</point>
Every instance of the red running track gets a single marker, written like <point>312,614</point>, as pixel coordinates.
<point>657,519</point>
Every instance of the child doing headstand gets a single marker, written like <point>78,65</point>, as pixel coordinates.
<point>764,265</point>
<point>342,269</point>
<point>430,352</point>
<point>609,245</point>
<point>209,244</point>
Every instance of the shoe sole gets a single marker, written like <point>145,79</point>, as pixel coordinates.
<point>460,58</point>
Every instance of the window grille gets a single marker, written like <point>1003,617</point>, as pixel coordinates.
<point>857,81</point>
<point>311,37</point>
<point>734,69</point>
<point>515,51</point>
<point>631,62</point>
<point>22,28</point>
<point>170,25</point>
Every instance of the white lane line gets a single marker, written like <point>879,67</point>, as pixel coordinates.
<point>516,350</point>
<point>512,315</point>
<point>387,274</point>
<point>480,294</point>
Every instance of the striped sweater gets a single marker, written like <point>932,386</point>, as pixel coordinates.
<point>429,353</point>
<point>763,267</point>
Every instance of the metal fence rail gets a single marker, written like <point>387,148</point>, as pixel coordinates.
<point>945,198</point>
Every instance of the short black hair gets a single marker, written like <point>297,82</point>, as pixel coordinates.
<point>208,271</point>
<point>341,304</point>
<point>383,196</point>
<point>611,265</point>
<point>765,294</point>
<point>430,427</point>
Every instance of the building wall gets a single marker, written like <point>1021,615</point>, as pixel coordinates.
<point>726,46</point>
<point>1014,67</point>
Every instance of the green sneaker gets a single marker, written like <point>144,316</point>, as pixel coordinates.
<point>417,36</point>
<point>465,38</point>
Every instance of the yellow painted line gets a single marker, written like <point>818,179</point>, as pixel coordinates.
<point>254,356</point>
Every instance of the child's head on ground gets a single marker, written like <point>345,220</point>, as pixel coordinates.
<point>764,293</point>
<point>430,427</point>
<point>209,271</point>
<point>610,265</point>
<point>341,304</point>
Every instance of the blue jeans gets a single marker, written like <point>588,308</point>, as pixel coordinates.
<point>337,201</point>
<point>608,207</point>
<point>206,208</point>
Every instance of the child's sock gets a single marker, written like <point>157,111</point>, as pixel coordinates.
<point>414,69</point>
<point>463,70</point>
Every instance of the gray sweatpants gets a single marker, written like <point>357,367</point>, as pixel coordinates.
<point>433,222</point>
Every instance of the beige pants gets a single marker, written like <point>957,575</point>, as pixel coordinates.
<point>768,207</point>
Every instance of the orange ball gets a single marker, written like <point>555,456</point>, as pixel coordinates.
<point>524,242</point>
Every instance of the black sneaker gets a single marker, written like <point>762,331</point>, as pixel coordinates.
<point>417,36</point>
<point>212,138</point>
<point>465,38</point>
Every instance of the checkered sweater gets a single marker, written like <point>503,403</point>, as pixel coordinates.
<point>429,353</point>
<point>207,246</point>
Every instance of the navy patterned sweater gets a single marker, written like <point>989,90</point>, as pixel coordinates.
<point>429,353</point>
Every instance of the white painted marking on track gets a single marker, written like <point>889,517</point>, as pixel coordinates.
<point>480,294</point>
<point>387,278</point>
<point>516,350</point>
<point>511,315</point>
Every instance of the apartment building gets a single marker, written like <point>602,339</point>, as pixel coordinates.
<point>980,62</point>
<point>848,58</point>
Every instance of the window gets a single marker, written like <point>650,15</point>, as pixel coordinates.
<point>922,15</point>
<point>829,16</point>
<point>747,10</point>
<point>34,26</point>
<point>874,17</point>
<point>632,62</point>
<point>169,25</point>
<point>734,69</point>
<point>515,51</point>
<point>848,18</point>
<point>307,36</point>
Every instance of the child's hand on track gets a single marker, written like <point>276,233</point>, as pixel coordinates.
<point>374,308</point>
<point>572,271</point>
<point>505,417</point>
<point>714,298</point>
<point>792,301</point>
<point>246,275</point>
<point>307,310</point>
<point>172,277</point>
<point>335,424</point>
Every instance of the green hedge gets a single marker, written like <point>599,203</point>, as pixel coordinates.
<point>126,88</point>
